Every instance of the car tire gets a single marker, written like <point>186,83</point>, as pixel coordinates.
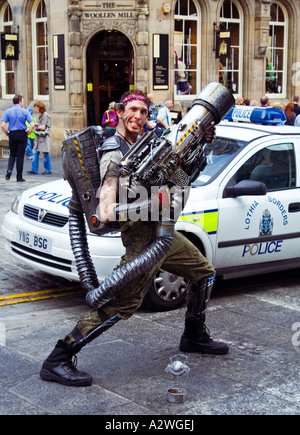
<point>167,292</point>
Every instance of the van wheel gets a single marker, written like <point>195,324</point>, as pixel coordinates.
<point>167,292</point>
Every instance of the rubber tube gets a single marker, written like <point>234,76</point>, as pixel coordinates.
<point>80,248</point>
<point>122,276</point>
<point>78,345</point>
<point>99,295</point>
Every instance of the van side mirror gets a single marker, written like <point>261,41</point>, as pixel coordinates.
<point>245,188</point>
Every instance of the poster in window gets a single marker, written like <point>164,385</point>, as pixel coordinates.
<point>9,46</point>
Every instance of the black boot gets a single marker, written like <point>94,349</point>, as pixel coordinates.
<point>59,367</point>
<point>196,337</point>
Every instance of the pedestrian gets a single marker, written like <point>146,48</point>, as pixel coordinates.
<point>164,119</point>
<point>42,140</point>
<point>264,101</point>
<point>18,132</point>
<point>152,114</point>
<point>183,259</point>
<point>290,114</point>
<point>30,139</point>
<point>278,105</point>
<point>110,120</point>
<point>296,105</point>
<point>240,101</point>
<point>297,121</point>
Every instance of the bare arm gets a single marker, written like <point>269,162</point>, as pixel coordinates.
<point>4,128</point>
<point>31,128</point>
<point>162,123</point>
<point>108,198</point>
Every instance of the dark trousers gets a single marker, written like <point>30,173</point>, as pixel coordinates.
<point>183,259</point>
<point>17,148</point>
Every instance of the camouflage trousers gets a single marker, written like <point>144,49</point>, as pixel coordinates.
<point>183,259</point>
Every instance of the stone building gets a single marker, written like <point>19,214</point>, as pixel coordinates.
<point>79,55</point>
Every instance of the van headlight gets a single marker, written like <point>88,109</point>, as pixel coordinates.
<point>16,205</point>
<point>112,234</point>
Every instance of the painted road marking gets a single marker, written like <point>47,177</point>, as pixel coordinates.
<point>38,295</point>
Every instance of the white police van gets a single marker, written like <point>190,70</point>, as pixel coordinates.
<point>243,212</point>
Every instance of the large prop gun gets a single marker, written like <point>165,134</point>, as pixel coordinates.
<point>173,159</point>
<point>153,161</point>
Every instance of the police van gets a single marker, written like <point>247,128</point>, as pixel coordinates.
<point>243,211</point>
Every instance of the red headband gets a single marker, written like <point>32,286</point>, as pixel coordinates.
<point>134,97</point>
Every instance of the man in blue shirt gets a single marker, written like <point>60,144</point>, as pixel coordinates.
<point>17,131</point>
<point>164,119</point>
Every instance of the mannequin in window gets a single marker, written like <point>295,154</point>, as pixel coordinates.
<point>183,85</point>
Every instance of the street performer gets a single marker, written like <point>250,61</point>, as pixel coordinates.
<point>183,259</point>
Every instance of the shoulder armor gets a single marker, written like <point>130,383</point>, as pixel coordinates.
<point>111,143</point>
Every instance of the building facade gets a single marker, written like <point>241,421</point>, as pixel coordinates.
<point>79,55</point>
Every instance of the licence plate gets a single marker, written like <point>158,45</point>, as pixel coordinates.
<point>34,241</point>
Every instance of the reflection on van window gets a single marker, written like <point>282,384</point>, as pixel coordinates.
<point>219,154</point>
<point>274,166</point>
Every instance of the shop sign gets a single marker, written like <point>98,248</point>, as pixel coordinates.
<point>111,15</point>
<point>160,62</point>
<point>111,11</point>
<point>9,46</point>
<point>223,43</point>
<point>59,62</point>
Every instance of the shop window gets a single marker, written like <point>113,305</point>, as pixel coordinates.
<point>7,66</point>
<point>231,66</point>
<point>187,48</point>
<point>276,57</point>
<point>40,51</point>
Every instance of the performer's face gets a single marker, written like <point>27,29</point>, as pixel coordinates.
<point>133,117</point>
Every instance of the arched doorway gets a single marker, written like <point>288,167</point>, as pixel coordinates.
<point>110,72</point>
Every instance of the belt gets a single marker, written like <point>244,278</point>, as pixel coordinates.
<point>17,131</point>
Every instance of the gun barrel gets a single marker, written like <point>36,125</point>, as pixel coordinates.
<point>209,108</point>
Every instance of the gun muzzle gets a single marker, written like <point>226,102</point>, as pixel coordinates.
<point>217,99</point>
<point>208,109</point>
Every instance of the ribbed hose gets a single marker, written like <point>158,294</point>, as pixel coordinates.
<point>122,276</point>
<point>80,248</point>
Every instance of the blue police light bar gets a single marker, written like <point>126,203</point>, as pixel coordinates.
<point>257,115</point>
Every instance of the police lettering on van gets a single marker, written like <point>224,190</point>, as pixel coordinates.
<point>55,198</point>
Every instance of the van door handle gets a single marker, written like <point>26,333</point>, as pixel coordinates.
<point>294,207</point>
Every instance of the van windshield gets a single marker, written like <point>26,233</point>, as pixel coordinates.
<point>219,154</point>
